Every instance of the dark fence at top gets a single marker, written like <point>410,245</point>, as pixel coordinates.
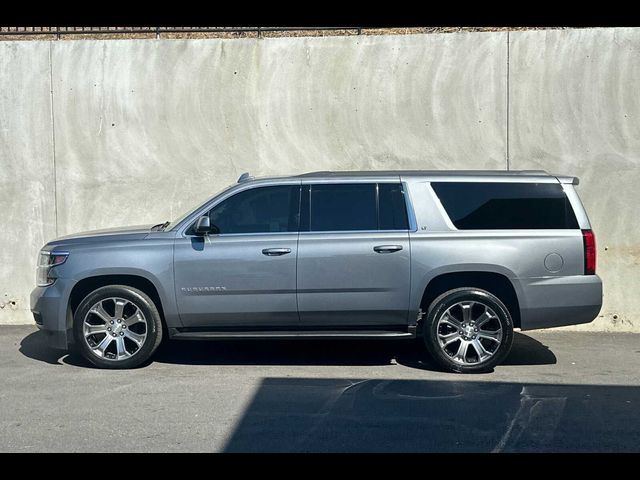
<point>60,31</point>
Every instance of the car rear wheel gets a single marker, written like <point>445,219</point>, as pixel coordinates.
<point>117,326</point>
<point>468,330</point>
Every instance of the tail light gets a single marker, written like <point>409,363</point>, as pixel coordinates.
<point>589,241</point>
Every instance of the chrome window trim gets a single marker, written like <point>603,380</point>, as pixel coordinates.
<point>315,232</point>
<point>335,232</point>
<point>187,222</point>
<point>242,234</point>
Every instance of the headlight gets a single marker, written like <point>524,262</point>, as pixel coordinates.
<point>46,261</point>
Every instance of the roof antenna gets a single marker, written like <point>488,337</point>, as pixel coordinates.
<point>245,177</point>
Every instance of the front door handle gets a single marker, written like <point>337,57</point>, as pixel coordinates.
<point>387,248</point>
<point>274,252</point>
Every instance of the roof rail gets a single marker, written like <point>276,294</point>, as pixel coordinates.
<point>376,173</point>
<point>531,172</point>
<point>319,172</point>
<point>568,179</point>
<point>245,177</point>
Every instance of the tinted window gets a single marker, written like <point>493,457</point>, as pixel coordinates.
<point>475,206</point>
<point>259,210</point>
<point>345,206</point>
<point>392,209</point>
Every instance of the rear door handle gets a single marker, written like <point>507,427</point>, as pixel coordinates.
<point>387,248</point>
<point>274,252</point>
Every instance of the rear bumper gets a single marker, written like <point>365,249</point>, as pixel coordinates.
<point>559,301</point>
<point>48,305</point>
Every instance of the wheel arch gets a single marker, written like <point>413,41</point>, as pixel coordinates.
<point>87,285</point>
<point>496,283</point>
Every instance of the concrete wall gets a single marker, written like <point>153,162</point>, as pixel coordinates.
<point>136,131</point>
<point>574,107</point>
<point>27,175</point>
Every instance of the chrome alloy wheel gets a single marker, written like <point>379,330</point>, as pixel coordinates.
<point>469,332</point>
<point>114,329</point>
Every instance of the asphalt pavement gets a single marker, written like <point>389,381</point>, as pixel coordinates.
<point>557,391</point>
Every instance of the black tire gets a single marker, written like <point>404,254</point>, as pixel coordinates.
<point>448,299</point>
<point>152,320</point>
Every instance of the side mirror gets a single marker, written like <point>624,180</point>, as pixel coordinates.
<point>204,227</point>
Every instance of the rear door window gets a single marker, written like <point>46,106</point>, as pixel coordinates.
<point>343,207</point>
<point>490,205</point>
<point>346,207</point>
<point>392,208</point>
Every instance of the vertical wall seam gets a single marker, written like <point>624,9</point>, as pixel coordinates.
<point>53,141</point>
<point>508,100</point>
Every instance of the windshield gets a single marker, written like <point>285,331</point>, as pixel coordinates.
<point>173,223</point>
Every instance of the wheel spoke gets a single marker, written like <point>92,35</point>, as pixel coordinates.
<point>134,318</point>
<point>489,335</point>
<point>482,319</point>
<point>102,346</point>
<point>461,354</point>
<point>449,338</point>
<point>120,304</point>
<point>137,338</point>
<point>448,318</point>
<point>101,313</point>
<point>480,350</point>
<point>466,311</point>
<point>120,348</point>
<point>94,329</point>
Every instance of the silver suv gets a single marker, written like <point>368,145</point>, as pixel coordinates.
<point>457,259</point>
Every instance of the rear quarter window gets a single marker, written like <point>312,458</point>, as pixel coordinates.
<point>493,206</point>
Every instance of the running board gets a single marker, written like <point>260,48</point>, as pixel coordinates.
<point>277,335</point>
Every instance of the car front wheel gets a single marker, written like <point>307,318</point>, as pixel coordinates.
<point>117,326</point>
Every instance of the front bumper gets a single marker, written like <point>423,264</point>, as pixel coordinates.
<point>49,308</point>
<point>559,301</point>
